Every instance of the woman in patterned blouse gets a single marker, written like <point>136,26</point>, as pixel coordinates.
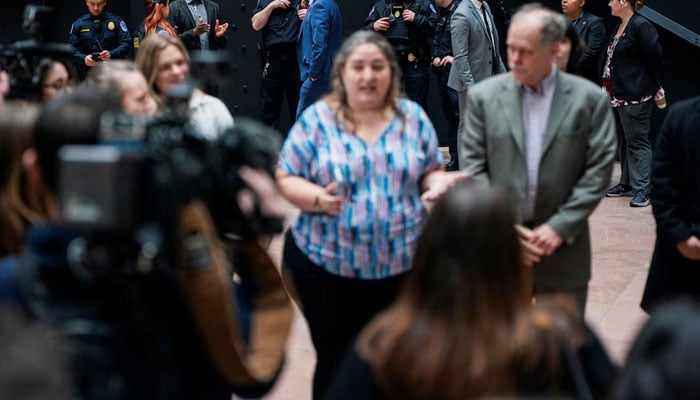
<point>359,163</point>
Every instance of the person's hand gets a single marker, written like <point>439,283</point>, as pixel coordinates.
<point>437,61</point>
<point>447,60</point>
<point>531,253</point>
<point>547,239</point>
<point>690,248</point>
<point>408,15</point>
<point>89,61</point>
<point>660,94</point>
<point>4,85</point>
<point>202,27</point>
<point>302,13</point>
<point>105,56</point>
<point>439,182</point>
<point>220,29</point>
<point>327,201</point>
<point>280,4</point>
<point>382,24</point>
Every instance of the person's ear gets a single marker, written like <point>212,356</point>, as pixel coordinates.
<point>31,168</point>
<point>554,50</point>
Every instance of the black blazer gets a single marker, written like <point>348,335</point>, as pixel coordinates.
<point>637,61</point>
<point>181,19</point>
<point>591,30</point>
<point>675,201</point>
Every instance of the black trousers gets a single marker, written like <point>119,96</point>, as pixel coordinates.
<point>336,308</point>
<point>450,106</point>
<point>415,78</point>
<point>279,80</point>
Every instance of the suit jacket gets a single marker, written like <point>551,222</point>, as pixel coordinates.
<point>591,30</point>
<point>181,18</point>
<point>675,202</point>
<point>578,151</point>
<point>635,68</point>
<point>320,37</point>
<point>472,50</point>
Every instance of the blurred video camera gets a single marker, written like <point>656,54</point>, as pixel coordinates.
<point>157,205</point>
<point>21,59</point>
<point>142,174</point>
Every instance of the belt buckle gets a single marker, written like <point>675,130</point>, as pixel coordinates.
<point>411,57</point>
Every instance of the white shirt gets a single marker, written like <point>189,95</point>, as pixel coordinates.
<point>209,116</point>
<point>489,24</point>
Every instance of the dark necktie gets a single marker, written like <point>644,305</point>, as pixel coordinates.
<point>486,21</point>
<point>494,67</point>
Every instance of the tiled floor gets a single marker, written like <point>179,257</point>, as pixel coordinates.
<point>622,241</point>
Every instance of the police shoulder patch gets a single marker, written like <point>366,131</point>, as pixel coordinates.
<point>123,26</point>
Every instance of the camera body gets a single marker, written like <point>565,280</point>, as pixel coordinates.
<point>124,183</point>
<point>95,56</point>
<point>21,59</point>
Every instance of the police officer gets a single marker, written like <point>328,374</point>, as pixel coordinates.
<point>98,36</point>
<point>442,62</point>
<point>409,25</point>
<point>279,21</point>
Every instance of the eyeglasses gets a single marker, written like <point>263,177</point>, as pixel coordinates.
<point>58,84</point>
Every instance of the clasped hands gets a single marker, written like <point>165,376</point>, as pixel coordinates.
<point>383,24</point>
<point>103,56</point>
<point>539,242</point>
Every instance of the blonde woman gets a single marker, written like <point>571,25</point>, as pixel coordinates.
<point>164,62</point>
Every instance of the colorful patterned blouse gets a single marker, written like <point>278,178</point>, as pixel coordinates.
<point>375,234</point>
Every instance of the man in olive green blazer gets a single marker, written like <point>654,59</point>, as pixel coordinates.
<point>548,139</point>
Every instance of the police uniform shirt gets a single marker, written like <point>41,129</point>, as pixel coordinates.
<point>283,25</point>
<point>442,42</point>
<point>402,35</point>
<point>92,34</point>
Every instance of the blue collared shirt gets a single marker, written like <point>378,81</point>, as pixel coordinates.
<point>199,13</point>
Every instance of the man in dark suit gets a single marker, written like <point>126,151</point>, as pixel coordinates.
<point>193,21</point>
<point>320,37</point>
<point>591,31</point>
<point>548,139</point>
<point>675,176</point>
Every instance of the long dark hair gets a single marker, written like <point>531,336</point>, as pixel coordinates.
<point>463,325</point>
<point>20,205</point>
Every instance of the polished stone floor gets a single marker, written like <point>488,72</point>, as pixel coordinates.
<point>622,242</point>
